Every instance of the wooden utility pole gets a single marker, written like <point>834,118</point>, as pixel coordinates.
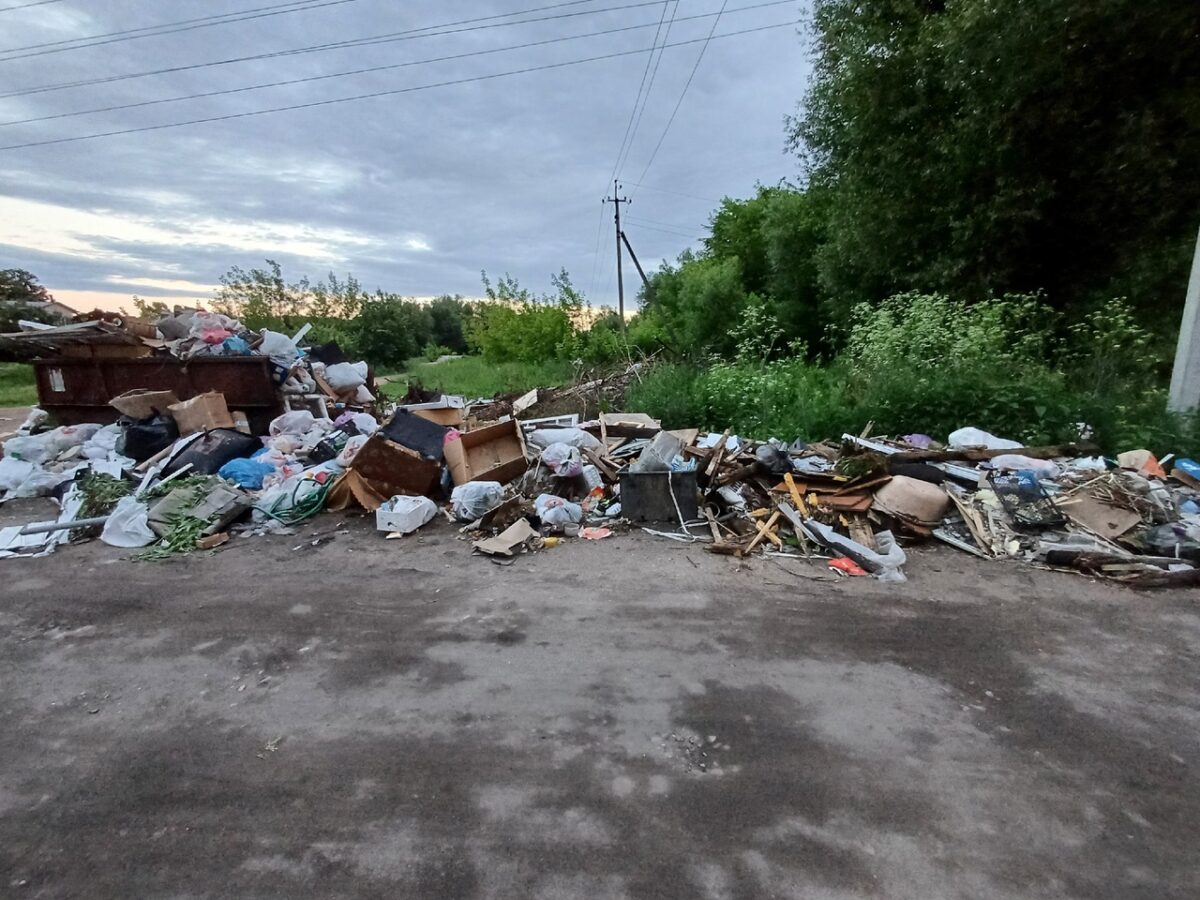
<point>616,200</point>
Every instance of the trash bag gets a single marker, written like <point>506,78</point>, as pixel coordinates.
<point>471,500</point>
<point>145,437</point>
<point>246,473</point>
<point>975,437</point>
<point>279,347</point>
<point>298,421</point>
<point>103,444</point>
<point>127,525</point>
<point>557,512</point>
<point>346,376</point>
<point>41,483</point>
<point>348,452</point>
<point>563,460</point>
<point>208,453</point>
<point>774,457</point>
<point>31,449</point>
<point>572,437</point>
<point>404,514</point>
<point>13,472</point>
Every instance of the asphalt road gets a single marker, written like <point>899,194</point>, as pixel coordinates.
<point>626,719</point>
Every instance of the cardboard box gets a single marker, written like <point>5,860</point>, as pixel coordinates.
<point>494,453</point>
<point>389,469</point>
<point>201,413</point>
<point>447,411</point>
<point>141,403</point>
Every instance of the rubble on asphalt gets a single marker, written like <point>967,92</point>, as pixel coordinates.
<point>517,481</point>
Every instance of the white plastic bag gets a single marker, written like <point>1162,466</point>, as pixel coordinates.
<point>572,437</point>
<point>37,417</point>
<point>279,347</point>
<point>346,376</point>
<point>563,460</point>
<point>127,525</point>
<point>975,437</point>
<point>473,499</point>
<point>102,444</point>
<point>41,483</point>
<point>299,421</point>
<point>404,514</point>
<point>365,423</point>
<point>13,472</point>
<point>353,445</point>
<point>32,449</point>
<point>556,512</point>
<point>1045,468</point>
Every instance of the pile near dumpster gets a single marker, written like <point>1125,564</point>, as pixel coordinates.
<point>515,483</point>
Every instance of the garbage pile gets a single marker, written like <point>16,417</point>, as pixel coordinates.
<point>515,483</point>
<point>319,378</point>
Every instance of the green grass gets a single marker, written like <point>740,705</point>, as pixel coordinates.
<point>472,376</point>
<point>17,387</point>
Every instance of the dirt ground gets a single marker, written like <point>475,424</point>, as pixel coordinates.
<point>625,719</point>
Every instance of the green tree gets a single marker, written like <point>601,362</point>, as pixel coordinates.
<point>449,317</point>
<point>978,148</point>
<point>390,330</point>
<point>23,298</point>
<point>696,303</point>
<point>20,286</point>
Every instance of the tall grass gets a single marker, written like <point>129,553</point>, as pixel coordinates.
<point>472,376</point>
<point>17,385</point>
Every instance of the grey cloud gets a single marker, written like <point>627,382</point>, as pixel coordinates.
<point>504,174</point>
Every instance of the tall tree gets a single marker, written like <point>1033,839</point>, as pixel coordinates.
<point>978,146</point>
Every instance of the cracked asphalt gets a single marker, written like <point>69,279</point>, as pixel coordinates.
<point>630,718</point>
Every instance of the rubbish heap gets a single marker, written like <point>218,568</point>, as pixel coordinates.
<point>517,483</point>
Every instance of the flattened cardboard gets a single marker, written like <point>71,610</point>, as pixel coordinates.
<point>495,453</point>
<point>141,403</point>
<point>509,541</point>
<point>449,416</point>
<point>203,412</point>
<point>629,425</point>
<point>390,469</point>
<point>353,490</point>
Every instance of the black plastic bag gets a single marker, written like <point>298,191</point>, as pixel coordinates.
<point>142,438</point>
<point>212,450</point>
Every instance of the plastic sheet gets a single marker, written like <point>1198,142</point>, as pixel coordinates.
<point>127,525</point>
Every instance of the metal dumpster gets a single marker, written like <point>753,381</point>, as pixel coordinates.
<point>79,390</point>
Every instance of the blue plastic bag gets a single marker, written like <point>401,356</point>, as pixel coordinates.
<point>246,473</point>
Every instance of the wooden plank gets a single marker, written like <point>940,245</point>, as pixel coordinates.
<point>1085,448</point>
<point>764,531</point>
<point>795,492</point>
<point>717,453</point>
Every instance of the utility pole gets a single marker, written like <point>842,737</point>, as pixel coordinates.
<point>616,200</point>
<point>1185,379</point>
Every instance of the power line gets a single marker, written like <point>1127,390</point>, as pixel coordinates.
<point>368,69</point>
<point>409,34</point>
<point>645,72</point>
<point>170,27</point>
<point>649,89</point>
<point>27,5</point>
<point>629,218</point>
<point>683,93</point>
<point>386,93</point>
<point>675,193</point>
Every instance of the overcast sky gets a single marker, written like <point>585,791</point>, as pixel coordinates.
<point>412,192</point>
